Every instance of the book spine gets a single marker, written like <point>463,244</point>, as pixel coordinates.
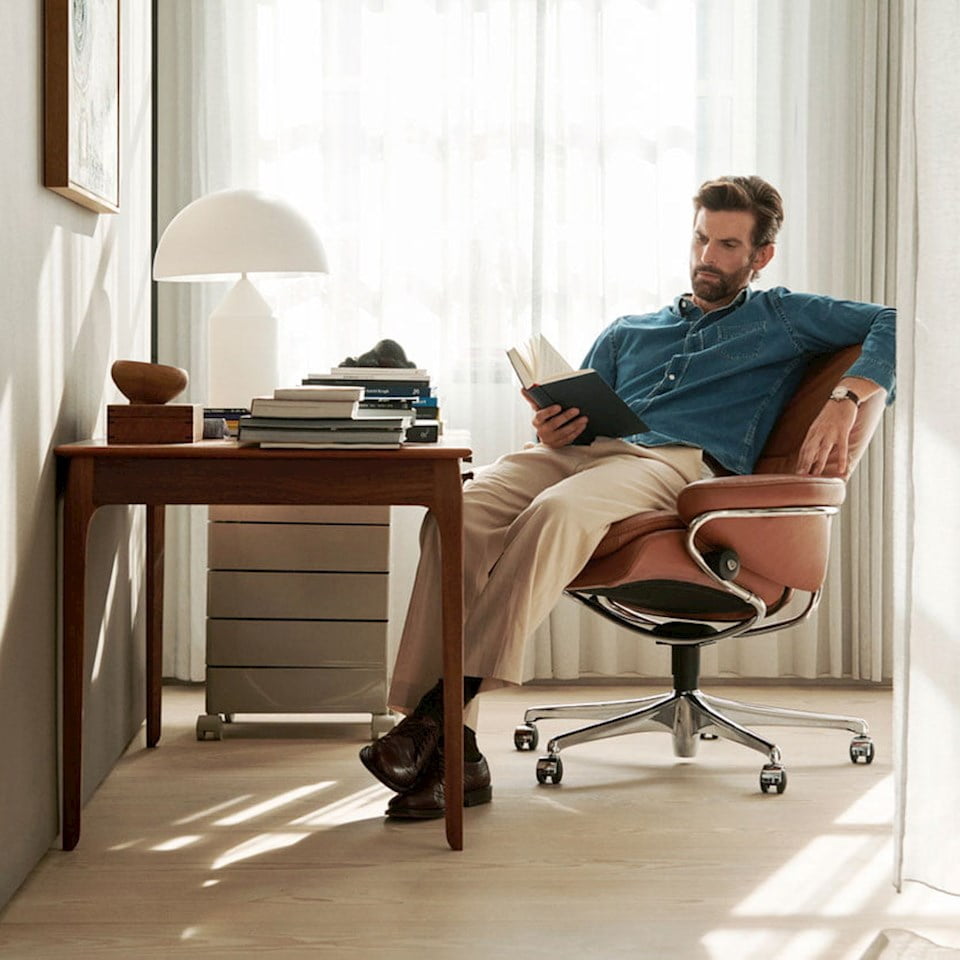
<point>378,388</point>
<point>422,433</point>
<point>376,373</point>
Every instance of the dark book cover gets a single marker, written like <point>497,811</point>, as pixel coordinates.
<point>607,414</point>
<point>423,432</point>
<point>376,388</point>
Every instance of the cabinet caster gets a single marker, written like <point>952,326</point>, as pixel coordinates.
<point>861,750</point>
<point>773,777</point>
<point>549,770</point>
<point>209,726</point>
<point>526,737</point>
<point>381,724</point>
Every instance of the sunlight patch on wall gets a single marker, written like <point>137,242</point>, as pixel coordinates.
<point>8,552</point>
<point>105,620</point>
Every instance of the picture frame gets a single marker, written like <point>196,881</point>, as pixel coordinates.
<point>82,102</point>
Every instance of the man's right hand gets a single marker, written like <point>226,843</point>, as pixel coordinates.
<point>555,426</point>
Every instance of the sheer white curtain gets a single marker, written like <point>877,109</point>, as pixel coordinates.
<point>807,91</point>
<point>480,171</point>
<point>927,513</point>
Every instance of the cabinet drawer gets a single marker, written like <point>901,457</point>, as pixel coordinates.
<point>297,643</point>
<point>295,690</point>
<point>278,546</point>
<point>275,513</point>
<point>243,594</point>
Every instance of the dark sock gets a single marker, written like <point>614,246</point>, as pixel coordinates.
<point>471,752</point>
<point>431,705</point>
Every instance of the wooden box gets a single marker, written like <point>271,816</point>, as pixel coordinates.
<point>154,422</point>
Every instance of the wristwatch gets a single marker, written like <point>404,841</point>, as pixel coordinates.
<point>845,393</point>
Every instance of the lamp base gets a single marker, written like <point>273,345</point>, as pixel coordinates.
<point>243,354</point>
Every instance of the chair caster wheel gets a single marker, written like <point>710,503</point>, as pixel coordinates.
<point>549,770</point>
<point>861,750</point>
<point>526,737</point>
<point>773,777</point>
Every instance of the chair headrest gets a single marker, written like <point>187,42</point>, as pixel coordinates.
<point>782,448</point>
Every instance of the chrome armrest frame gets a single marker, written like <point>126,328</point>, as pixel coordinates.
<point>731,586</point>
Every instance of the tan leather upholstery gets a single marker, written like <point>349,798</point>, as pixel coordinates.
<point>776,553</point>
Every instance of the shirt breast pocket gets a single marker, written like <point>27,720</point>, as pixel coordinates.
<point>741,339</point>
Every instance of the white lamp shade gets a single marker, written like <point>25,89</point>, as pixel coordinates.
<point>237,231</point>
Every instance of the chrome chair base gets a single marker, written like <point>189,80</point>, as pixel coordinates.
<point>689,715</point>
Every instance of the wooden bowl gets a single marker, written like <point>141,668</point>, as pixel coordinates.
<point>143,382</point>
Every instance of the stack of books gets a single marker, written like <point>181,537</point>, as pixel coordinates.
<point>322,418</point>
<point>391,391</point>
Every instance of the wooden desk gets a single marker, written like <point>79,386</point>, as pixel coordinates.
<point>93,474</point>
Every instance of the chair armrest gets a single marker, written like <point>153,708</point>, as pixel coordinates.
<point>781,546</point>
<point>757,492</point>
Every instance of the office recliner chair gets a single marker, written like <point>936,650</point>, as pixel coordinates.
<point>737,551</point>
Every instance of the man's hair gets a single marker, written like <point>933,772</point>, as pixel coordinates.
<point>752,194</point>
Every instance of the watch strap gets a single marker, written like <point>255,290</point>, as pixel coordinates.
<point>845,393</point>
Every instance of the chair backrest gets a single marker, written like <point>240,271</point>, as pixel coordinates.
<point>782,448</point>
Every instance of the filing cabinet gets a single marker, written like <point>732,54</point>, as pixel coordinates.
<point>297,613</point>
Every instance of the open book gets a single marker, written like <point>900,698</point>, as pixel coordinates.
<point>549,379</point>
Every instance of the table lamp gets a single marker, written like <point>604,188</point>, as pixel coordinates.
<point>239,232</point>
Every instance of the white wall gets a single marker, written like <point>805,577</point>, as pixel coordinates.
<point>74,297</point>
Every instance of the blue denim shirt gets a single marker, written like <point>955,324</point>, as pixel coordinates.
<point>719,380</point>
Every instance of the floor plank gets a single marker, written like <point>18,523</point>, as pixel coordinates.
<point>271,843</point>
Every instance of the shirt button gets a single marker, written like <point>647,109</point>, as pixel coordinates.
<point>671,376</point>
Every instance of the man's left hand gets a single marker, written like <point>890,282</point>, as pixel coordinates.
<point>828,433</point>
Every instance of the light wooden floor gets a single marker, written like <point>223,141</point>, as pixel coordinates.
<point>271,844</point>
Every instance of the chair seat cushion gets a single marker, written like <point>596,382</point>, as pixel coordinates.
<point>626,531</point>
<point>656,551</point>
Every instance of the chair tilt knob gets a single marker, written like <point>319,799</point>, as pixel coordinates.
<point>724,563</point>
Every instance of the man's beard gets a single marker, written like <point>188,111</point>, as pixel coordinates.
<point>712,286</point>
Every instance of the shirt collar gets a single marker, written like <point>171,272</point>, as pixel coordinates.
<point>685,307</point>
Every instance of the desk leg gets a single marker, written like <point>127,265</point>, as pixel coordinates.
<point>449,515</point>
<point>78,508</point>
<point>154,620</point>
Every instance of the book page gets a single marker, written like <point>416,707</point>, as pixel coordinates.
<point>549,362</point>
<point>537,360</point>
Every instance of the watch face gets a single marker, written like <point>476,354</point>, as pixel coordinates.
<point>842,393</point>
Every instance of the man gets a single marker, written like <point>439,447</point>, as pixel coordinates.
<point>709,376</point>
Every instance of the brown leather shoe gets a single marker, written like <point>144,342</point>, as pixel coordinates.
<point>426,800</point>
<point>399,758</point>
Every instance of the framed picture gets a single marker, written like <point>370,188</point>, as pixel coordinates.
<point>82,101</point>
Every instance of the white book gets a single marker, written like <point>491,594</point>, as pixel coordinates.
<point>302,409</point>
<point>374,373</point>
<point>320,392</point>
<point>277,445</point>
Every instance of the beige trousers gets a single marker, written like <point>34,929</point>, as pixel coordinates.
<point>530,523</point>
